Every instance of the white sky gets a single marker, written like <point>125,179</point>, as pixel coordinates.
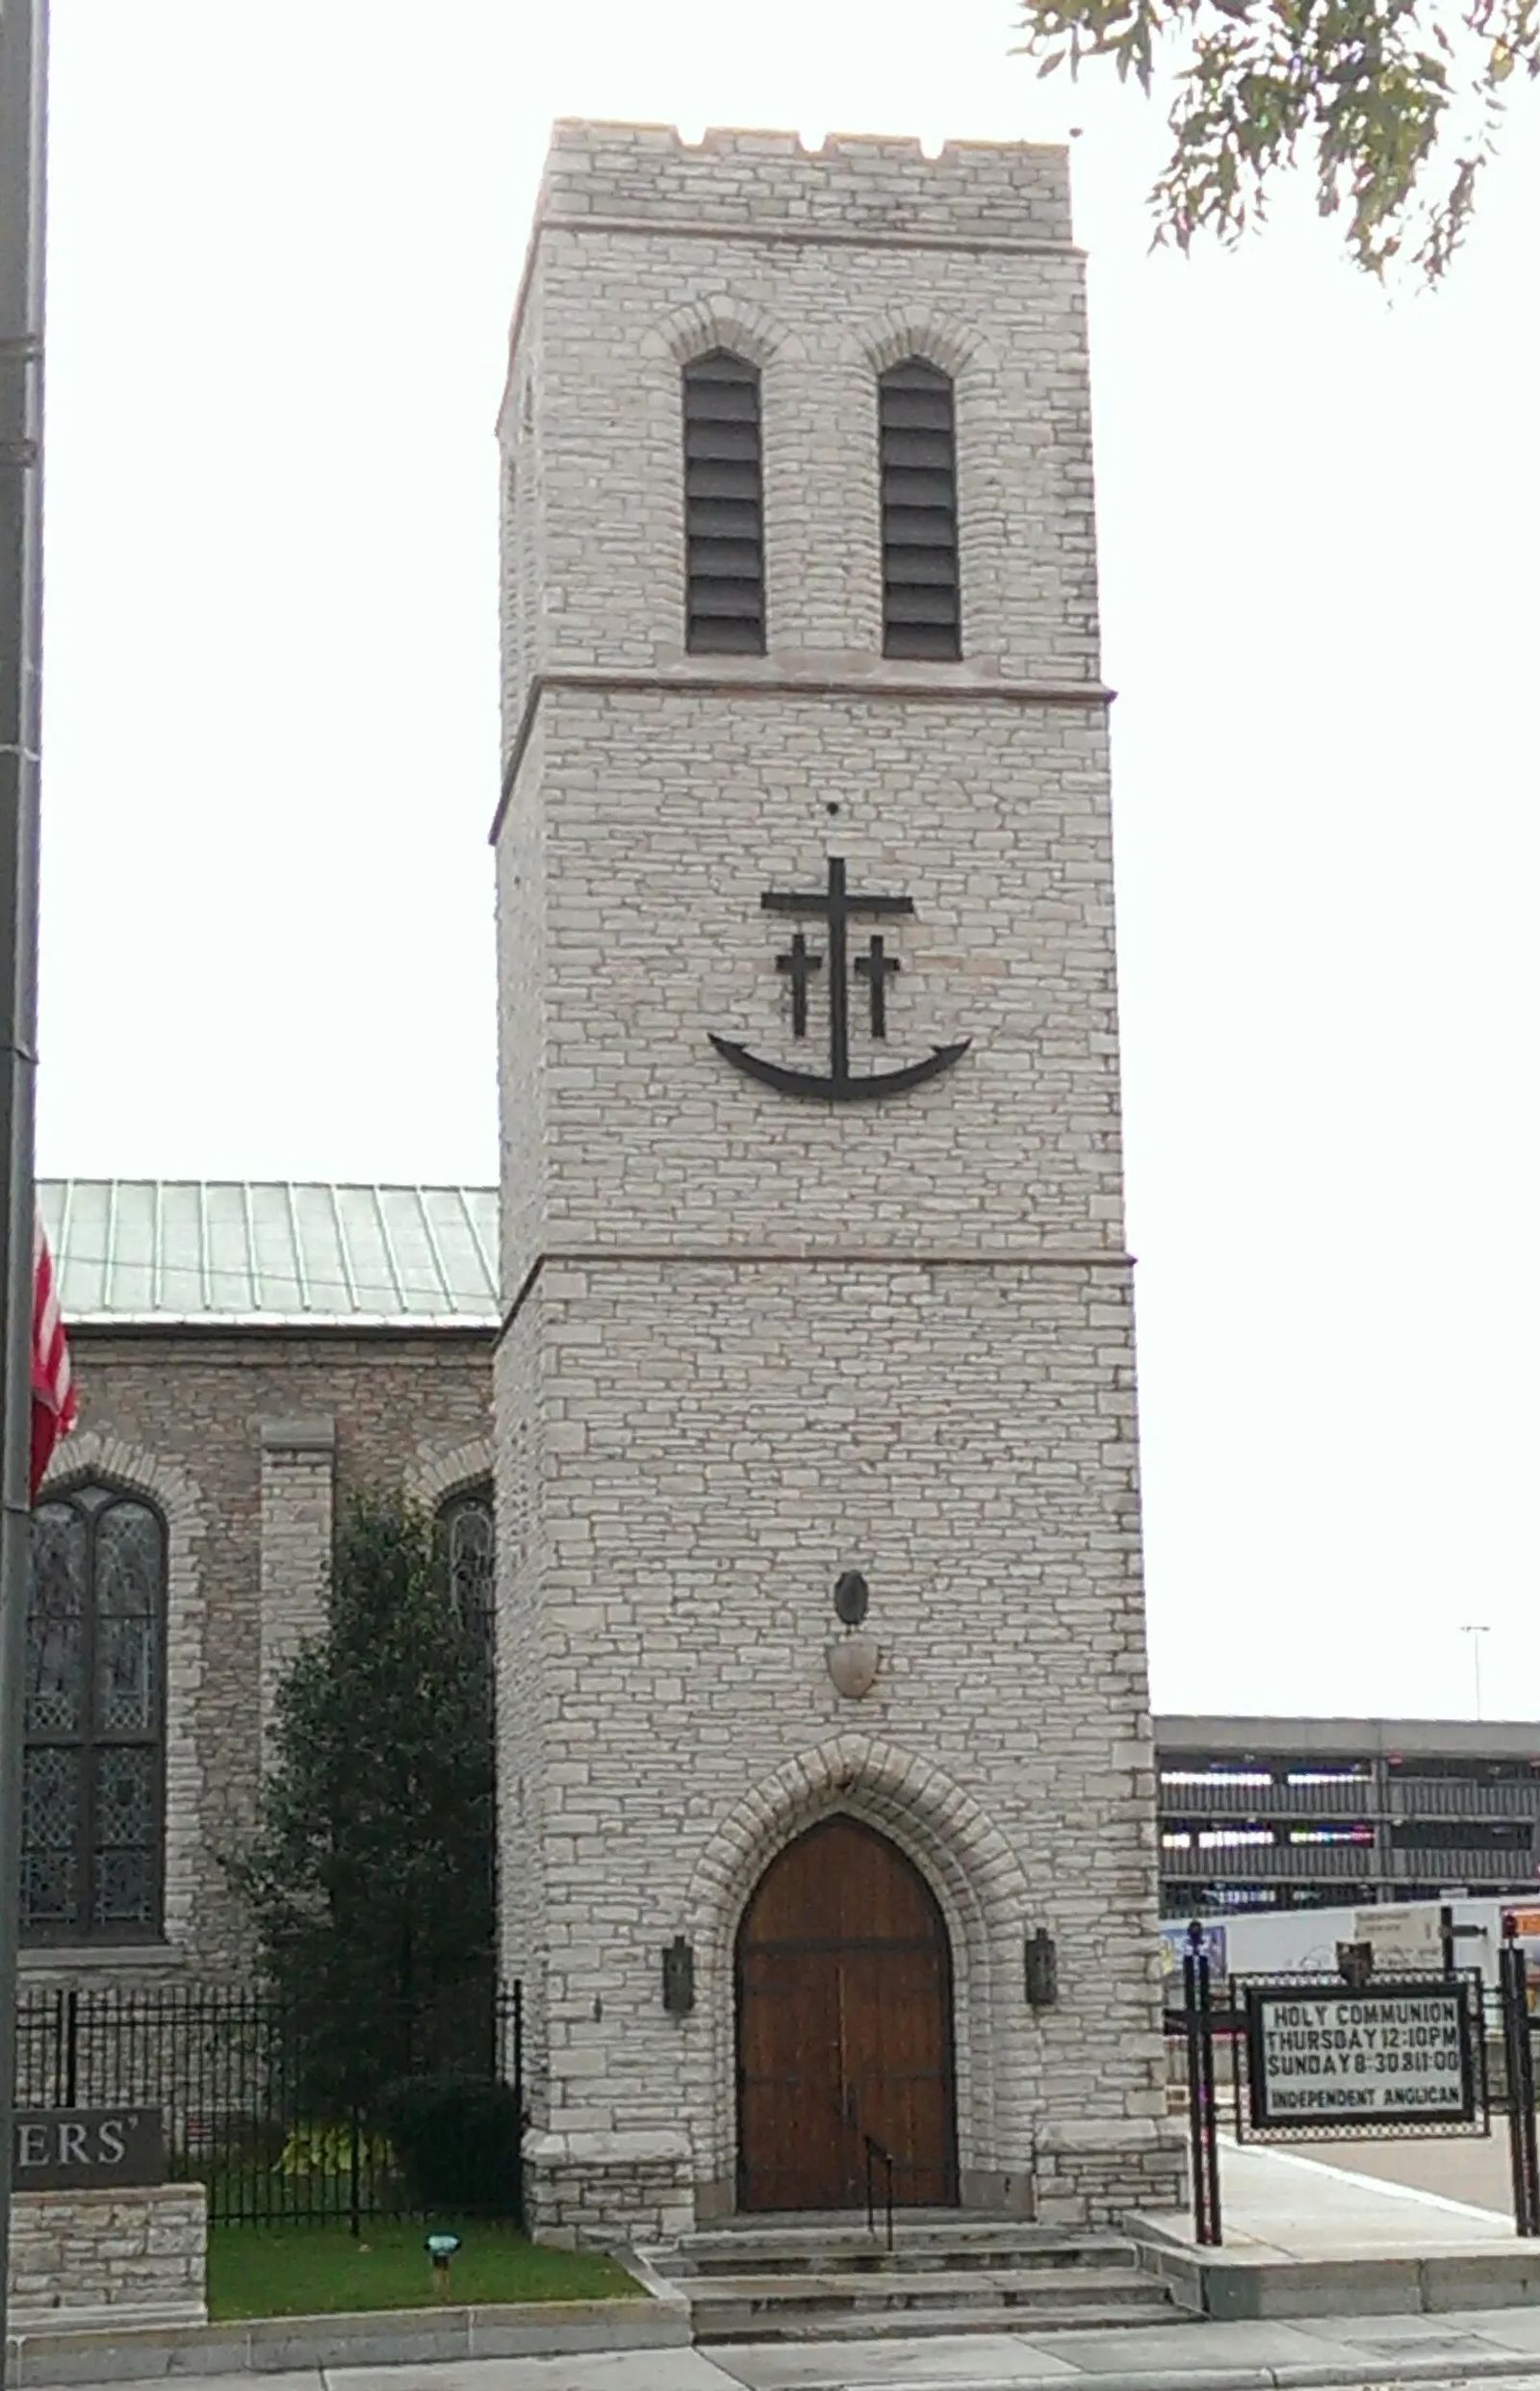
<point>286,238</point>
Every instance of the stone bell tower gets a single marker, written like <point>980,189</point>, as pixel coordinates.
<point>825,1765</point>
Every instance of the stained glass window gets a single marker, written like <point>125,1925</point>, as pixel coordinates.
<point>466,1526</point>
<point>92,1813</point>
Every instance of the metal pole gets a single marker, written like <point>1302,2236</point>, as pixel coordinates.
<point>1476,1635</point>
<point>1202,2124</point>
<point>1211,2109</point>
<point>1521,2151</point>
<point>23,116</point>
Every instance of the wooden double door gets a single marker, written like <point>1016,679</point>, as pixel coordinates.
<point>844,2027</point>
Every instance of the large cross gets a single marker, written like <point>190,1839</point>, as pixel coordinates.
<point>838,906</point>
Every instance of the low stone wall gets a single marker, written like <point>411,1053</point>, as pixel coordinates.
<point>141,2252</point>
<point>1097,2174</point>
<point>597,2191</point>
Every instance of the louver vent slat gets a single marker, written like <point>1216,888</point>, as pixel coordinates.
<point>724,507</point>
<point>917,448</point>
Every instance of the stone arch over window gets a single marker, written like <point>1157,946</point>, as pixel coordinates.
<point>92,1457</point>
<point>93,1795</point>
<point>717,319</point>
<point>436,1475</point>
<point>931,335</point>
<point>979,1889</point>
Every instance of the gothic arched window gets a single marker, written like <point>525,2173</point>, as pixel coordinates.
<point>724,507</point>
<point>466,1524</point>
<point>94,1797</point>
<point>916,436</point>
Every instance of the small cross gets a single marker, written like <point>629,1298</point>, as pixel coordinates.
<point>800,967</point>
<point>874,967</point>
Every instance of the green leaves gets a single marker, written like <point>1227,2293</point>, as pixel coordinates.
<point>1397,106</point>
<point>369,1876</point>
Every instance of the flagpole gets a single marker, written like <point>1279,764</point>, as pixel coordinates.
<point>23,116</point>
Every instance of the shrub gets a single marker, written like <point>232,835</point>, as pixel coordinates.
<point>456,2142</point>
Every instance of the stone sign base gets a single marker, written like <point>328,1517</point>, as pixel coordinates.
<point>141,2254</point>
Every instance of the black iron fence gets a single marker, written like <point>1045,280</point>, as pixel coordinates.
<point>227,2068</point>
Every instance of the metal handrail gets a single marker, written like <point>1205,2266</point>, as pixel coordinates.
<point>875,2153</point>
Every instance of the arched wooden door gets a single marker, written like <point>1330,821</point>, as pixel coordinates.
<point>844,2027</point>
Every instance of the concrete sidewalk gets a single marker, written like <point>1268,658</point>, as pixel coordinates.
<point>1294,2204</point>
<point>1299,2356</point>
<point>1289,2216</point>
<point>1308,2238</point>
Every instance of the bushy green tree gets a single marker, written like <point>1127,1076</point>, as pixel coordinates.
<point>1395,104</point>
<point>370,1875</point>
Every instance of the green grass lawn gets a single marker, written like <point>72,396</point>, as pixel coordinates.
<point>319,2269</point>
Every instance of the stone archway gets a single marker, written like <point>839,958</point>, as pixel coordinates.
<point>979,1888</point>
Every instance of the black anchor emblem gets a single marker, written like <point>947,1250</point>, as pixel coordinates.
<point>840,1085</point>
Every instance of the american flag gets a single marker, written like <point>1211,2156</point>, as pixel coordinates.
<point>52,1394</point>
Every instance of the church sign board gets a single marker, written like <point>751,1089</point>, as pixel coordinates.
<point>87,2149</point>
<point>1395,2056</point>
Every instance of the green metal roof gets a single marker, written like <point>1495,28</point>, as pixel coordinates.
<point>244,1252</point>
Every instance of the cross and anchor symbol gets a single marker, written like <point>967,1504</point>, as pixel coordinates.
<point>838,906</point>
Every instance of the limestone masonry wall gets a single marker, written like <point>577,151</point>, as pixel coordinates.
<point>140,2253</point>
<point>593,407</point>
<point>630,879</point>
<point>712,1446</point>
<point>765,181</point>
<point>755,1341</point>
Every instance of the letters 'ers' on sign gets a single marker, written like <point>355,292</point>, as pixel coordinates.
<point>87,2149</point>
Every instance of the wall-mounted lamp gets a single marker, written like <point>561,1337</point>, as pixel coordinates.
<point>852,1597</point>
<point>1041,1957</point>
<point>678,1977</point>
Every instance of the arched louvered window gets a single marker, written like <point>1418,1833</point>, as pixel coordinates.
<point>917,447</point>
<point>724,507</point>
<point>94,1760</point>
<point>466,1524</point>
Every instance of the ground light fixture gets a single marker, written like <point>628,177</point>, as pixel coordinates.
<point>441,2249</point>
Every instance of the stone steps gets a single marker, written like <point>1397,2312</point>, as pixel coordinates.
<point>850,2249</point>
<point>836,2308</point>
<point>781,2281</point>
